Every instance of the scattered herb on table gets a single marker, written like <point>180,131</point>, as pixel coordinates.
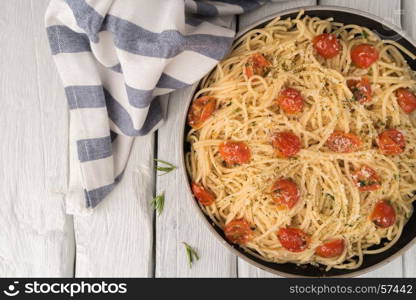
<point>191,254</point>
<point>158,203</point>
<point>164,166</point>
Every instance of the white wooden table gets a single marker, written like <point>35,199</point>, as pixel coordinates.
<point>40,235</point>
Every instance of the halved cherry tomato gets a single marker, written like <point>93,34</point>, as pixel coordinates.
<point>327,45</point>
<point>293,239</point>
<point>331,249</point>
<point>286,144</point>
<point>391,142</point>
<point>201,109</point>
<point>383,214</point>
<point>235,153</point>
<point>361,89</point>
<point>286,193</point>
<point>364,55</point>
<point>205,197</point>
<point>290,100</point>
<point>343,142</point>
<point>238,231</point>
<point>256,65</point>
<point>366,179</point>
<point>406,100</point>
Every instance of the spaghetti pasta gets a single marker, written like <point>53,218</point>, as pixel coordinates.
<point>329,191</point>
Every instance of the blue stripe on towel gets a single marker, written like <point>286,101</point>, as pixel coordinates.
<point>139,98</point>
<point>246,5</point>
<point>169,82</point>
<point>93,149</point>
<point>85,96</point>
<point>64,40</point>
<point>166,44</point>
<point>95,196</point>
<point>119,115</point>
<point>87,18</point>
<point>206,9</point>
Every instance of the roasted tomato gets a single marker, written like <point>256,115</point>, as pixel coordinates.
<point>286,193</point>
<point>235,153</point>
<point>327,45</point>
<point>343,142</point>
<point>201,109</point>
<point>383,214</point>
<point>361,89</point>
<point>332,248</point>
<point>406,100</point>
<point>290,101</point>
<point>293,239</point>
<point>366,179</point>
<point>205,197</point>
<point>286,144</point>
<point>391,142</point>
<point>364,55</point>
<point>257,64</point>
<point>238,231</point>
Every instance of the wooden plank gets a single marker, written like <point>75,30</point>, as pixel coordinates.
<point>115,239</point>
<point>409,25</point>
<point>390,11</point>
<point>408,17</point>
<point>269,9</point>
<point>244,268</point>
<point>179,221</point>
<point>37,238</point>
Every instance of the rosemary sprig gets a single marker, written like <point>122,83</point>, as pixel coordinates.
<point>158,203</point>
<point>191,254</point>
<point>164,166</point>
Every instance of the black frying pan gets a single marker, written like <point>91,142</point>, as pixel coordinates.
<point>386,31</point>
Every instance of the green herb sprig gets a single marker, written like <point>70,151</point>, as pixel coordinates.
<point>164,166</point>
<point>158,203</point>
<point>364,34</point>
<point>330,196</point>
<point>191,254</point>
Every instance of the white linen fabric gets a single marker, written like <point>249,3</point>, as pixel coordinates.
<point>115,57</point>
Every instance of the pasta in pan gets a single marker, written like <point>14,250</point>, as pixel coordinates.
<point>302,142</point>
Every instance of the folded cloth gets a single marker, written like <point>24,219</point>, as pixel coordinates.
<point>115,57</point>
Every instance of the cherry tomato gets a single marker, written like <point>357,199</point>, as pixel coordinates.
<point>235,153</point>
<point>205,197</point>
<point>293,239</point>
<point>331,249</point>
<point>366,179</point>
<point>256,65</point>
<point>343,142</point>
<point>286,144</point>
<point>383,214</point>
<point>238,231</point>
<point>286,193</point>
<point>201,109</point>
<point>361,89</point>
<point>290,101</point>
<point>406,100</point>
<point>327,45</point>
<point>391,142</point>
<point>364,55</point>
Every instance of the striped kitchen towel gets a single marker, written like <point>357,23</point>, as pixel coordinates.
<point>115,57</point>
